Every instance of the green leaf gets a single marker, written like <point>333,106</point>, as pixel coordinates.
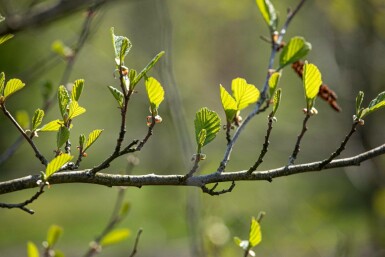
<point>58,162</point>
<point>273,82</point>
<point>244,94</point>
<point>202,138</point>
<point>6,37</point>
<point>229,104</point>
<point>12,86</point>
<point>359,99</point>
<point>22,118</point>
<point>54,233</point>
<point>75,110</point>
<point>124,209</point>
<point>117,94</point>
<point>268,12</point>
<point>296,49</point>
<point>32,250</point>
<point>64,100</point>
<point>375,104</point>
<point>209,121</point>
<point>114,237</point>
<point>61,49</point>
<point>312,80</point>
<point>77,89</point>
<point>155,94</point>
<point>255,236</point>
<point>122,46</point>
<point>2,80</point>
<point>62,136</point>
<point>146,69</point>
<point>92,138</point>
<point>82,140</point>
<point>52,126</point>
<point>37,119</point>
<point>244,244</point>
<point>276,100</point>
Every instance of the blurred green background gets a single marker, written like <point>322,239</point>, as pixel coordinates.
<point>332,213</point>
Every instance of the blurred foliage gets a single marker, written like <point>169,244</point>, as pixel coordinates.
<point>213,42</point>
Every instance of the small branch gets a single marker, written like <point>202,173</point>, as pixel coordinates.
<point>212,191</point>
<point>265,146</point>
<point>22,205</point>
<point>197,159</point>
<point>342,146</point>
<point>299,138</point>
<point>134,251</point>
<point>29,140</point>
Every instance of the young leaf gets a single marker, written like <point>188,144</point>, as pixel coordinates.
<point>296,49</point>
<point>6,37</point>
<point>12,86</point>
<point>54,232</point>
<point>273,82</point>
<point>375,104</point>
<point>209,121</point>
<point>32,250</point>
<point>114,237</point>
<point>202,138</point>
<point>61,49</point>
<point>75,110</point>
<point>229,104</point>
<point>244,94</point>
<point>62,136</point>
<point>268,12</point>
<point>117,94</point>
<point>2,80</point>
<point>124,209</point>
<point>155,94</point>
<point>22,118</point>
<point>52,126</point>
<point>37,119</point>
<point>58,162</point>
<point>92,138</point>
<point>255,236</point>
<point>121,47</point>
<point>276,100</point>
<point>64,100</point>
<point>311,82</point>
<point>82,140</point>
<point>77,89</point>
<point>146,69</point>
<point>359,99</point>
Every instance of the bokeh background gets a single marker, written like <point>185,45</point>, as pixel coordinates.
<point>331,213</point>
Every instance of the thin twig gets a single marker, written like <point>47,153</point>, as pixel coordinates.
<point>212,191</point>
<point>296,150</point>
<point>342,146</point>
<point>134,251</point>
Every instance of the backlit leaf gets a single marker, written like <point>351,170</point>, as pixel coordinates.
<point>276,100</point>
<point>244,94</point>
<point>77,89</point>
<point>54,233</point>
<point>6,37</point>
<point>62,136</point>
<point>146,69</point>
<point>155,94</point>
<point>359,99</point>
<point>255,236</point>
<point>52,126</point>
<point>229,104</point>
<point>202,138</point>
<point>114,237</point>
<point>32,250</point>
<point>375,104</point>
<point>117,95</point>
<point>22,118</point>
<point>75,110</point>
<point>92,138</point>
<point>296,49</point>
<point>82,140</point>
<point>58,162</point>
<point>273,82</point>
<point>122,46</point>
<point>37,119</point>
<point>312,81</point>
<point>64,100</point>
<point>268,12</point>
<point>2,81</point>
<point>208,120</point>
<point>12,86</point>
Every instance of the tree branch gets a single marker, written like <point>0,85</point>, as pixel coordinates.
<point>111,180</point>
